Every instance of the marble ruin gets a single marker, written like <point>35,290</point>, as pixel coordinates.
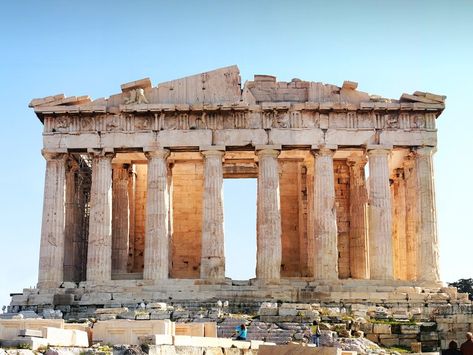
<point>133,200</point>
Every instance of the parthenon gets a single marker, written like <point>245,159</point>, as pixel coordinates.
<point>133,190</point>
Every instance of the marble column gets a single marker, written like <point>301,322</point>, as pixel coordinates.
<point>72,223</point>
<point>359,263</point>
<point>399,225</point>
<point>51,254</point>
<point>120,218</point>
<point>412,218</point>
<point>380,218</point>
<point>428,248</point>
<point>325,217</point>
<point>131,210</point>
<point>269,249</point>
<point>212,266</point>
<point>156,254</point>
<point>99,250</point>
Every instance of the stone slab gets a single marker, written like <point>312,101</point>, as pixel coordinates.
<point>240,137</point>
<point>156,339</point>
<point>409,138</point>
<point>349,137</point>
<point>184,138</point>
<point>30,333</point>
<point>32,343</point>
<point>295,349</point>
<point>10,328</point>
<point>296,137</point>
<point>123,331</point>
<point>65,337</point>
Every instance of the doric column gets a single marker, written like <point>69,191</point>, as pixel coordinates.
<point>428,253</point>
<point>325,217</point>
<point>156,256</point>
<point>71,247</point>
<point>358,218</point>
<point>380,218</point>
<point>399,226</point>
<point>131,209</point>
<point>212,266</point>
<point>120,218</point>
<point>269,249</point>
<point>51,254</point>
<point>99,250</point>
<point>412,218</point>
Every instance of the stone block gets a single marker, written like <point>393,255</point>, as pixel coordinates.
<point>111,310</point>
<point>156,339</point>
<point>9,328</point>
<point>407,340</point>
<point>429,336</point>
<point>380,328</point>
<point>410,328</point>
<point>408,138</point>
<point>123,331</point>
<point>295,136</point>
<point>210,329</point>
<point>240,137</point>
<point>296,349</point>
<point>388,340</point>
<point>65,337</point>
<point>288,312</point>
<point>184,138</point>
<point>349,137</point>
<point>32,343</point>
<point>66,299</point>
<point>373,337</point>
<point>268,309</point>
<point>30,333</point>
<point>157,306</point>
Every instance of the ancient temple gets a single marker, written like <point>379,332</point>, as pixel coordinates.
<point>133,194</point>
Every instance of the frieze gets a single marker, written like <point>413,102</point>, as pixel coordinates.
<point>238,119</point>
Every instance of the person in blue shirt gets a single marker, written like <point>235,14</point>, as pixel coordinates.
<point>241,331</point>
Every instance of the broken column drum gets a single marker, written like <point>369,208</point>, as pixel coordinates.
<point>345,182</point>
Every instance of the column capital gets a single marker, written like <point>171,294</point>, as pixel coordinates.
<point>324,149</point>
<point>54,154</point>
<point>425,151</point>
<point>157,153</point>
<point>268,152</point>
<point>213,153</point>
<point>376,149</point>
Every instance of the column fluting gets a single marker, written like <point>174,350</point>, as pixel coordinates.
<point>120,218</point>
<point>212,266</point>
<point>156,255</point>
<point>380,216</point>
<point>325,217</point>
<point>428,247</point>
<point>99,250</point>
<point>359,264</point>
<point>269,253</point>
<point>51,254</point>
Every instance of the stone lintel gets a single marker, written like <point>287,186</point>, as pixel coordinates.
<point>205,148</point>
<point>379,147</point>
<point>266,147</point>
<point>349,85</point>
<point>324,146</point>
<point>142,83</point>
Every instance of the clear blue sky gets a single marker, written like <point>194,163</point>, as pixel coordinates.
<point>91,47</point>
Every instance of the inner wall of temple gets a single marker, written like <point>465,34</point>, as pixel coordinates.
<point>186,181</point>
